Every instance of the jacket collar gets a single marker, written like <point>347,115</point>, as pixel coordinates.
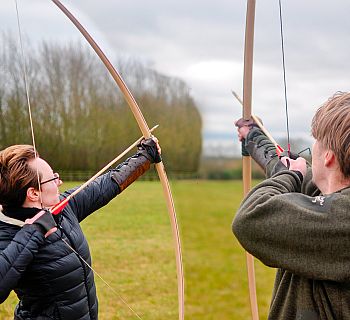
<point>17,216</point>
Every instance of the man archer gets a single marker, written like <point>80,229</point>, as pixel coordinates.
<point>298,219</point>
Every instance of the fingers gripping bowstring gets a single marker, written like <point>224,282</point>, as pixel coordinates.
<point>284,75</point>
<point>25,80</point>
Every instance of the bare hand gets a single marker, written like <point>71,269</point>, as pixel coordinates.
<point>242,131</point>
<point>296,165</point>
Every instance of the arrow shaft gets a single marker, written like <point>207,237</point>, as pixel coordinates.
<point>59,207</point>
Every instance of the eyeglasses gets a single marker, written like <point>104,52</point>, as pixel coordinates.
<point>56,178</point>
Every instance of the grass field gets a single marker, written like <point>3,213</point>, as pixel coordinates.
<point>132,249</point>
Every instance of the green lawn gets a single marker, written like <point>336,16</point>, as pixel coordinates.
<point>132,249</point>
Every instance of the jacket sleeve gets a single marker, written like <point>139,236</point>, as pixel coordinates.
<point>286,229</point>
<point>103,189</point>
<point>96,195</point>
<point>308,187</point>
<point>263,151</point>
<point>16,255</point>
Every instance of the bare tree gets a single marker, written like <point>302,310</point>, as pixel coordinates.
<point>81,119</point>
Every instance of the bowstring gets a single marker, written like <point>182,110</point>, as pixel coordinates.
<point>101,278</point>
<point>284,75</point>
<point>26,86</point>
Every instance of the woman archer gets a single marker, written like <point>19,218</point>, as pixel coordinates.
<point>51,280</point>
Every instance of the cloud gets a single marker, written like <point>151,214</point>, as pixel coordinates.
<point>202,42</point>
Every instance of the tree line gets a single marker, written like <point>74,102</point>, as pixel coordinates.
<point>81,120</point>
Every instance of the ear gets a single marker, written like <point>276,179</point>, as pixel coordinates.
<point>329,159</point>
<point>33,195</point>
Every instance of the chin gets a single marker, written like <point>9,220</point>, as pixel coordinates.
<point>51,203</point>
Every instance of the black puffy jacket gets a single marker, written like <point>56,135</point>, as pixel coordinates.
<point>49,278</point>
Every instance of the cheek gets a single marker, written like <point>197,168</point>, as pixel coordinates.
<point>313,151</point>
<point>52,191</point>
<point>314,170</point>
<point>315,156</point>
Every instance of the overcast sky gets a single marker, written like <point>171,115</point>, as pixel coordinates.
<point>202,42</point>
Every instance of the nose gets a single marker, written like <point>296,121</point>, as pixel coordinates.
<point>58,180</point>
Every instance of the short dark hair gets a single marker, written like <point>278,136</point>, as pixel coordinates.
<point>16,175</point>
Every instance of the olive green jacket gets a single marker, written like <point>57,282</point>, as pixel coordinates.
<point>290,226</point>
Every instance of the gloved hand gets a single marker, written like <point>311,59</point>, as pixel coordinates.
<point>150,149</point>
<point>291,155</point>
<point>45,221</point>
<point>244,127</point>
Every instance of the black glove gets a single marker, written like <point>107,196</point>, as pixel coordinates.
<point>248,123</point>
<point>148,148</point>
<point>288,154</point>
<point>244,150</point>
<point>45,221</point>
<point>260,148</point>
<point>128,171</point>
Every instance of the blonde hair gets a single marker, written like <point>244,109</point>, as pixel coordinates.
<point>16,176</point>
<point>331,126</point>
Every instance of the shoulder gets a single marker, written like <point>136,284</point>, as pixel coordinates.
<point>7,232</point>
<point>336,202</point>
